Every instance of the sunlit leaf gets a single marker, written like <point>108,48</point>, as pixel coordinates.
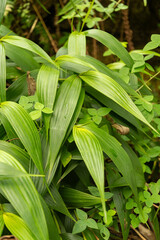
<point>28,45</point>
<point>112,43</point>
<point>65,105</point>
<point>47,81</point>
<point>23,196</point>
<point>93,158</point>
<point>113,90</point>
<point>77,44</point>
<point>17,227</point>
<point>25,129</point>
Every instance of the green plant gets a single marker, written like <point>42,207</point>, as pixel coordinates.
<point>66,156</point>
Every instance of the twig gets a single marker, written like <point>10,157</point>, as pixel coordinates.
<point>12,139</point>
<point>33,27</point>
<point>148,80</point>
<point>138,233</point>
<point>53,43</point>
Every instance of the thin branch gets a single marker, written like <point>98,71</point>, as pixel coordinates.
<point>33,27</point>
<point>138,233</point>
<point>12,139</point>
<point>53,43</point>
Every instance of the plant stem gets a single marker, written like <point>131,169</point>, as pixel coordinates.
<point>148,80</point>
<point>87,15</point>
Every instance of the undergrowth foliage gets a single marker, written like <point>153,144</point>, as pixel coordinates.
<point>76,155</point>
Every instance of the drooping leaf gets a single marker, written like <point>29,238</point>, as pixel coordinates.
<point>25,129</point>
<point>77,44</point>
<point>112,43</point>
<point>101,67</point>
<point>93,158</point>
<point>23,196</point>
<point>74,64</point>
<point>2,73</point>
<point>17,152</point>
<point>23,58</point>
<point>113,90</point>
<point>114,150</point>
<point>28,45</point>
<point>47,81</point>
<point>65,105</point>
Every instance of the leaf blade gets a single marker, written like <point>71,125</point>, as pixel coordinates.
<point>25,129</point>
<point>3,73</point>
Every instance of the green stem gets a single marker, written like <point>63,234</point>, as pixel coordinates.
<point>87,15</point>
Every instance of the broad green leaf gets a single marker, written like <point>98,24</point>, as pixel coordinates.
<point>93,158</point>
<point>79,227</point>
<point>75,198</point>
<point>17,227</point>
<point>36,114</point>
<point>47,82</point>
<point>28,45</point>
<point>17,152</point>
<point>81,214</point>
<point>7,171</point>
<point>47,110</point>
<point>2,73</point>
<point>2,8</point>
<point>25,129</point>
<point>5,31</point>
<point>112,43</point>
<point>38,106</point>
<point>63,111</point>
<point>23,196</point>
<point>77,44</point>
<point>74,64</point>
<point>151,45</point>
<point>101,67</point>
<point>76,112</point>
<point>113,90</point>
<point>114,150</point>
<point>23,58</point>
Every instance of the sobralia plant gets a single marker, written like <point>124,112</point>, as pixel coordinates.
<point>59,151</point>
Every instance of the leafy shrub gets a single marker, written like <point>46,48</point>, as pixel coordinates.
<point>59,149</point>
